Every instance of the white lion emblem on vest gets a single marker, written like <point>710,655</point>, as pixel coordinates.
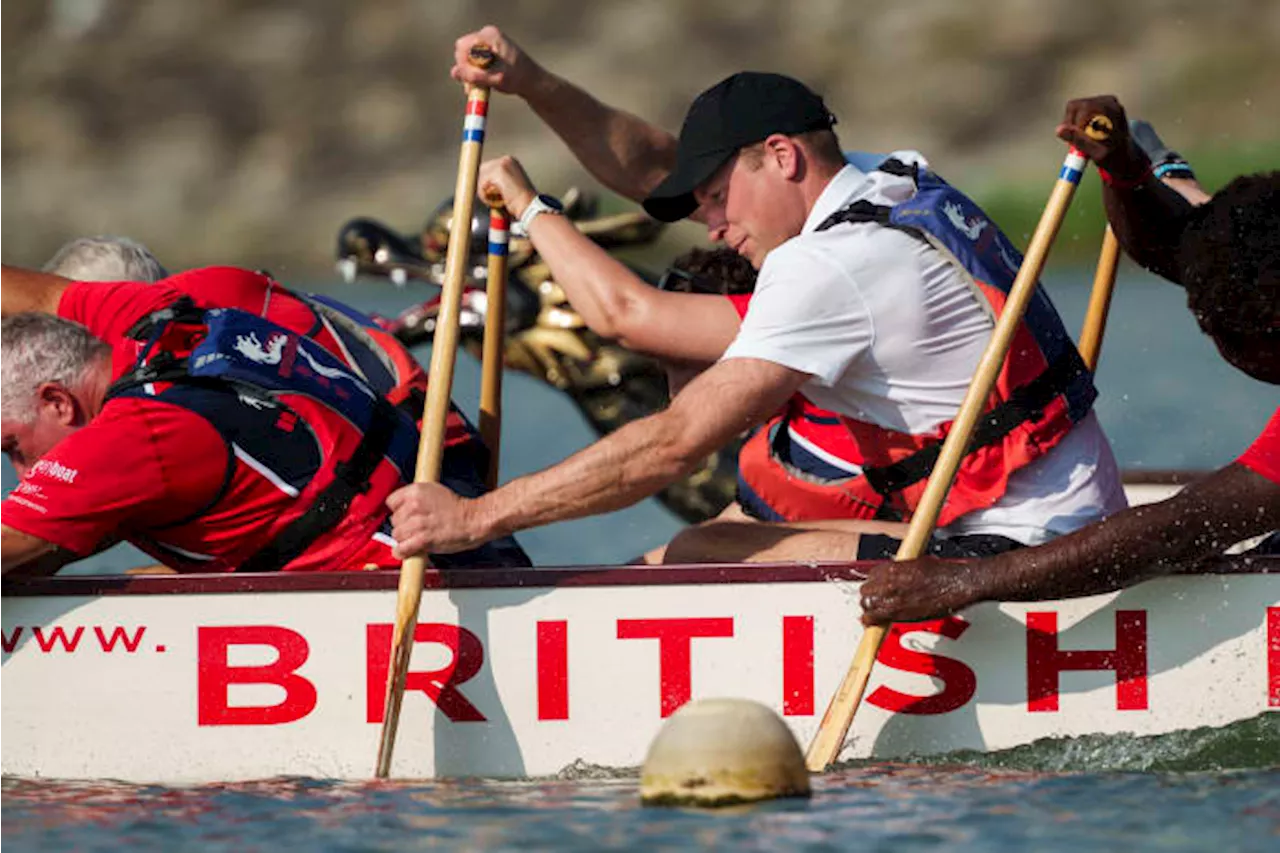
<point>963,225</point>
<point>251,348</point>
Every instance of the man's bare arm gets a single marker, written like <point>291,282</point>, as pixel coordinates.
<point>624,152</point>
<point>612,299</point>
<point>626,466</point>
<point>1149,220</point>
<point>1148,217</point>
<point>1201,521</point>
<point>616,304</point>
<point>646,455</point>
<point>22,553</point>
<point>28,290</point>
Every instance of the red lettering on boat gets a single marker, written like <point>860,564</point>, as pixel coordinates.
<point>216,675</point>
<point>675,638</point>
<point>466,656</point>
<point>1045,661</point>
<point>797,666</point>
<point>958,681</point>
<point>553,670</point>
<point>119,635</point>
<point>11,640</point>
<point>58,636</point>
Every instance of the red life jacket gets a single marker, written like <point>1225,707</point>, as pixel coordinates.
<point>381,360</point>
<point>289,410</point>
<point>1042,390</point>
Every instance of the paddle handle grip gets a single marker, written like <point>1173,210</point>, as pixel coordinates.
<point>495,320</point>
<point>835,724</point>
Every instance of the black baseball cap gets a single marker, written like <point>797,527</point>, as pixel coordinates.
<point>736,112</point>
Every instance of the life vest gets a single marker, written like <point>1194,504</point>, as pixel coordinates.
<point>383,362</point>
<point>1042,390</point>
<point>298,416</point>
<point>389,367</point>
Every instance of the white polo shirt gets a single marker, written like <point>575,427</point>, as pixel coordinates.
<point>891,333</point>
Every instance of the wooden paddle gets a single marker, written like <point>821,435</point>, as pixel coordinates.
<point>444,352</point>
<point>1104,279</point>
<point>831,733</point>
<point>495,318</point>
<point>1104,282</point>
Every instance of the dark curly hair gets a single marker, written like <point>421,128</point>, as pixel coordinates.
<point>1230,259</point>
<point>711,271</point>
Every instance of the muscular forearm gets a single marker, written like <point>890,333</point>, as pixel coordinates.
<point>22,553</point>
<point>1149,220</point>
<point>623,151</point>
<point>600,288</point>
<point>1201,521</point>
<point>645,455</point>
<point>622,469</point>
<point>616,304</point>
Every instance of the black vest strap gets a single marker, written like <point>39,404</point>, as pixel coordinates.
<point>1024,404</point>
<point>351,478</point>
<point>860,211</point>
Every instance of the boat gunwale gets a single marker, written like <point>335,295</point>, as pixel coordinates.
<point>496,578</point>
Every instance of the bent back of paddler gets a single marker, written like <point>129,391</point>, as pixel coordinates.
<point>216,420</point>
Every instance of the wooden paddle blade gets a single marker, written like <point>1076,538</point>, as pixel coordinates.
<point>827,743</point>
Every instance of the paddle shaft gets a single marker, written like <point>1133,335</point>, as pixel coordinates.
<point>495,319</point>
<point>831,733</point>
<point>1104,282</point>
<point>444,352</point>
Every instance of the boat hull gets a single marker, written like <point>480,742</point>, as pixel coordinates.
<point>525,673</point>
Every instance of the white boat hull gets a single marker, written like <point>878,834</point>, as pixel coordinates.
<point>197,679</point>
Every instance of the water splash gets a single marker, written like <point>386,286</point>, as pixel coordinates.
<point>1252,744</point>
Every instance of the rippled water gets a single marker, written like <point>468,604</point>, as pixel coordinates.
<point>1069,795</point>
<point>1168,401</point>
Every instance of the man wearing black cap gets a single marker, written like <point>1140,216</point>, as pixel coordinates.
<point>871,322</point>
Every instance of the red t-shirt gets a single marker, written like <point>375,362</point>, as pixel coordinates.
<point>166,464</point>
<point>1263,456</point>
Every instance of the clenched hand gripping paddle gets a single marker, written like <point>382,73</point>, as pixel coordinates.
<point>444,352</point>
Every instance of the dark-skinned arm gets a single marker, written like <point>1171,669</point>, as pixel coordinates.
<point>1149,218</point>
<point>1203,520</point>
<point>28,290</point>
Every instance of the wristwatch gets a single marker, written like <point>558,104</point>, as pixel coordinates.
<point>542,203</point>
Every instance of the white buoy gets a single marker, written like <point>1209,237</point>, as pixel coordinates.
<point>720,752</point>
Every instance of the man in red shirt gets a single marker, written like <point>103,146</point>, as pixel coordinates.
<point>207,479</point>
<point>1226,253</point>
